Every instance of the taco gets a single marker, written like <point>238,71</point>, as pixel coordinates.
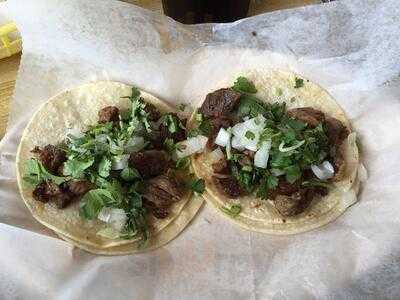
<point>281,156</point>
<point>97,164</point>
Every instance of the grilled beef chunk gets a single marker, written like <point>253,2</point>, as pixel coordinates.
<point>49,191</point>
<point>284,188</point>
<point>109,114</point>
<point>219,103</point>
<point>296,203</point>
<point>221,166</point>
<point>335,131</point>
<point>228,186</point>
<point>152,112</point>
<point>80,187</point>
<point>216,124</point>
<point>177,136</point>
<point>160,193</point>
<point>45,191</point>
<point>339,166</point>
<point>63,200</point>
<point>156,139</point>
<point>149,163</point>
<point>312,117</point>
<point>51,157</point>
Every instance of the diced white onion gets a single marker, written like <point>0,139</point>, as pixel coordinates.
<point>262,155</point>
<point>115,217</point>
<point>362,173</point>
<point>75,132</point>
<point>120,162</point>
<point>323,171</point>
<point>192,145</point>
<point>255,126</point>
<point>287,149</point>
<point>223,137</point>
<point>135,144</point>
<point>237,143</point>
<point>215,156</point>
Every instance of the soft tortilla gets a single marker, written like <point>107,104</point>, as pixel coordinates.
<point>163,237</point>
<point>78,108</point>
<point>258,215</point>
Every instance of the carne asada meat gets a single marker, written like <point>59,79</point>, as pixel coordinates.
<point>45,191</point>
<point>152,112</point>
<point>109,114</point>
<point>335,131</point>
<point>221,166</point>
<point>339,166</point>
<point>228,186</point>
<point>177,136</point>
<point>79,187</point>
<point>149,163</point>
<point>219,103</point>
<point>51,157</point>
<point>160,193</point>
<point>312,117</point>
<point>296,203</point>
<point>49,191</point>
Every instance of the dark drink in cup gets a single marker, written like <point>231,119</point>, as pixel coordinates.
<point>206,11</point>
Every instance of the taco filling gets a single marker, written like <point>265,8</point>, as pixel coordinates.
<point>289,156</point>
<point>123,170</point>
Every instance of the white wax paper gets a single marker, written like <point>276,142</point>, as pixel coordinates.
<point>349,47</point>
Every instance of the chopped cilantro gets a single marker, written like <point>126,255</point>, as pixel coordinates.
<point>197,185</point>
<point>233,211</point>
<point>250,135</point>
<point>129,174</point>
<point>242,84</point>
<point>182,106</point>
<point>75,167</point>
<point>104,167</point>
<point>299,82</point>
<point>182,163</point>
<point>250,106</point>
<point>36,173</point>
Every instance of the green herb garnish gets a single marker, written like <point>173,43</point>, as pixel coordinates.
<point>233,211</point>
<point>298,83</point>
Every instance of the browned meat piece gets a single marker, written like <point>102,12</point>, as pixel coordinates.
<point>287,188</point>
<point>249,153</point>
<point>335,131</point>
<point>51,157</point>
<point>49,191</point>
<point>339,165</point>
<point>297,202</point>
<point>45,191</point>
<point>160,213</point>
<point>152,112</point>
<point>312,117</point>
<point>216,125</point>
<point>221,166</point>
<point>149,163</point>
<point>289,205</point>
<point>109,114</point>
<point>160,193</point>
<point>79,187</point>
<point>155,138</point>
<point>63,200</point>
<point>219,103</point>
<point>177,136</point>
<point>245,160</point>
<point>228,186</point>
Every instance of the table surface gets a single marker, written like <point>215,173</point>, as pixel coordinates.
<point>9,66</point>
